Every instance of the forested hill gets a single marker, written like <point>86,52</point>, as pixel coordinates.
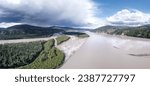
<point>1,28</point>
<point>140,31</point>
<point>27,31</point>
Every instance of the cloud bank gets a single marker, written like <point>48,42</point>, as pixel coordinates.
<point>49,12</point>
<point>5,25</point>
<point>74,13</point>
<point>129,17</point>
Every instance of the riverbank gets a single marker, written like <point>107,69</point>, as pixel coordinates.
<point>71,46</point>
<point>25,40</point>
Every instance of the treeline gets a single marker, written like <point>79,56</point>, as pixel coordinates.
<point>78,34</point>
<point>16,55</point>
<point>143,33</point>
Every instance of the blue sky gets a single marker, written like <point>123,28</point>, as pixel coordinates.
<point>109,7</point>
<point>75,13</point>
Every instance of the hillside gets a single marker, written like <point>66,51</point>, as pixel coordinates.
<point>27,31</point>
<point>140,31</point>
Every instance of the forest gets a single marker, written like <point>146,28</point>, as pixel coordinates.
<point>142,33</point>
<point>19,54</point>
<point>32,55</point>
<point>49,58</point>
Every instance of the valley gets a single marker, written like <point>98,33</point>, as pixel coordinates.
<point>71,48</point>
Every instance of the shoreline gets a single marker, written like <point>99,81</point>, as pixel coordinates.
<point>26,40</point>
<point>71,46</point>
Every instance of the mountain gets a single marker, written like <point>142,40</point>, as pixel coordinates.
<point>140,31</point>
<point>2,28</point>
<point>61,27</point>
<point>27,31</point>
<point>71,28</point>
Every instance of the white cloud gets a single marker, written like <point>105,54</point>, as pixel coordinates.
<point>129,17</point>
<point>49,12</point>
<point>5,25</point>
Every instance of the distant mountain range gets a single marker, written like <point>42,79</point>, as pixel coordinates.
<point>140,31</point>
<point>29,31</point>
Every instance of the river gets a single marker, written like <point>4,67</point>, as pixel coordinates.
<point>102,51</point>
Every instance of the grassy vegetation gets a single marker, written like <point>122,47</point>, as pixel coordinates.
<point>78,34</point>
<point>49,58</point>
<point>62,39</point>
<point>19,54</point>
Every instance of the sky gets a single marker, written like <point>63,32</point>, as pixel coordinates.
<point>74,13</point>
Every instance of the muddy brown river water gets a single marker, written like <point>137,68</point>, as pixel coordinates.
<point>104,51</point>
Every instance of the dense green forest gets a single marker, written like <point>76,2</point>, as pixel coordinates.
<point>15,55</point>
<point>32,55</point>
<point>141,31</point>
<point>50,57</point>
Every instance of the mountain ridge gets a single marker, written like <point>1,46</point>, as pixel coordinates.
<point>27,31</point>
<point>139,31</point>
